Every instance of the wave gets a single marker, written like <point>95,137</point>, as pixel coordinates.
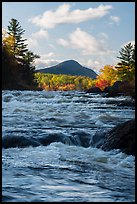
<point>77,138</point>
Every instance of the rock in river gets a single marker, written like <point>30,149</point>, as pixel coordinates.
<point>121,137</point>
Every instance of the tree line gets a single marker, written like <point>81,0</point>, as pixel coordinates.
<point>123,71</point>
<point>63,82</point>
<point>18,70</point>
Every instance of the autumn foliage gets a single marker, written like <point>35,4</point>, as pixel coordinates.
<point>18,70</point>
<point>101,83</point>
<point>123,71</point>
<point>107,77</point>
<point>62,82</point>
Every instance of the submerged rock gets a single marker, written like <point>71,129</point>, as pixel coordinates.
<point>50,138</point>
<point>81,138</point>
<point>121,137</point>
<point>18,141</point>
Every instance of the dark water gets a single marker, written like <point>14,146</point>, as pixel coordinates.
<point>50,153</point>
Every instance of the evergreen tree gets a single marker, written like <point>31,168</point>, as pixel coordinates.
<point>8,68</point>
<point>126,54</point>
<point>126,67</point>
<point>133,56</point>
<point>19,47</point>
<point>17,60</point>
<point>28,66</point>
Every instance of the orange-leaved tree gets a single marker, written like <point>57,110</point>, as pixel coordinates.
<point>107,77</point>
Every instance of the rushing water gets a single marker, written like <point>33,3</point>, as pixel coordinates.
<point>51,153</point>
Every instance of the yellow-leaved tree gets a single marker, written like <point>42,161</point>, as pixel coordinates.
<point>8,42</point>
<point>107,77</point>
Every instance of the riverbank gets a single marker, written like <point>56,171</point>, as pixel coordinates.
<point>119,88</point>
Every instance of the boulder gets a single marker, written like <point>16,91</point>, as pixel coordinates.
<point>10,141</point>
<point>126,88</point>
<point>121,137</point>
<point>120,88</point>
<point>94,90</point>
<point>114,90</point>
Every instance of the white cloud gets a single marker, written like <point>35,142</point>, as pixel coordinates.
<point>43,63</point>
<point>62,15</point>
<point>103,38</point>
<point>52,46</point>
<point>36,37</point>
<point>114,19</point>
<point>32,43</point>
<point>62,42</point>
<point>47,55</point>
<point>40,34</point>
<point>46,60</point>
<point>97,62</point>
<point>87,43</point>
<point>92,63</point>
<point>82,40</point>
<point>103,35</point>
<point>95,65</point>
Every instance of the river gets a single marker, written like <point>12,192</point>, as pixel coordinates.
<point>52,154</point>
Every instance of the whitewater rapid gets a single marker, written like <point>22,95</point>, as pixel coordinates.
<point>64,165</point>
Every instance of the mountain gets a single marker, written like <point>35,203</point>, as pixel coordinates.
<point>69,67</point>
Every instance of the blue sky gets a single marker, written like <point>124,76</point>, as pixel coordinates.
<point>91,33</point>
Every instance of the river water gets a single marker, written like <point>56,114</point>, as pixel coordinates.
<point>51,154</point>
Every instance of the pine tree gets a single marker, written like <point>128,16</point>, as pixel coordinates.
<point>126,54</point>
<point>19,47</point>
<point>126,67</point>
<point>133,56</point>
<point>17,59</point>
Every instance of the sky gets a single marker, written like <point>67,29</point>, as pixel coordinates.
<point>92,33</point>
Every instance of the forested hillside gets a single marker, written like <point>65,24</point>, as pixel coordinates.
<point>63,82</point>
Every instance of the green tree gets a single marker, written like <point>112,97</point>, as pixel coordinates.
<point>24,57</point>
<point>127,54</point>
<point>17,61</point>
<point>9,68</point>
<point>62,82</point>
<point>28,67</point>
<point>126,67</point>
<point>133,57</point>
<point>19,47</point>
